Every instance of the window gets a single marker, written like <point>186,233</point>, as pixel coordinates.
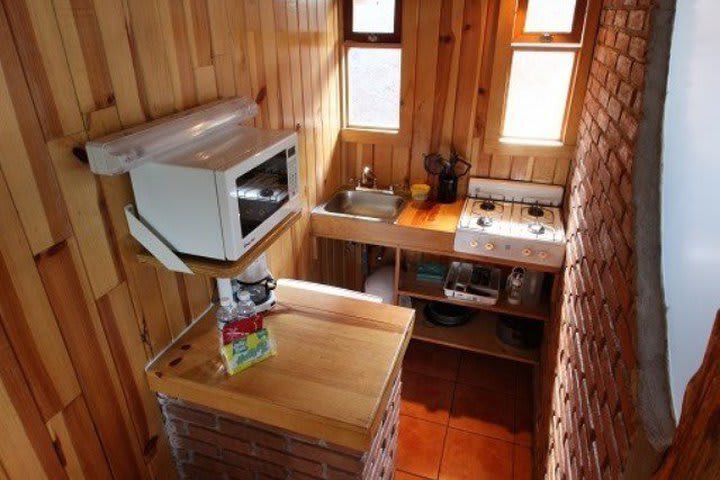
<point>372,64</point>
<point>542,59</point>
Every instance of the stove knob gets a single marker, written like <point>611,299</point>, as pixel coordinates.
<point>473,244</point>
<point>526,252</point>
<point>489,246</point>
<point>543,254</point>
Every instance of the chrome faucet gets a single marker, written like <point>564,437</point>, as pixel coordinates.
<point>368,178</point>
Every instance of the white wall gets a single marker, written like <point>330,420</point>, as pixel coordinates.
<point>691,189</point>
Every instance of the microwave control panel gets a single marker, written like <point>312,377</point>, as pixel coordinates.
<point>292,172</point>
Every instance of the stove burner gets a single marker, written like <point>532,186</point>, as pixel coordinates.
<point>485,221</point>
<point>536,228</point>
<point>536,210</point>
<point>487,205</point>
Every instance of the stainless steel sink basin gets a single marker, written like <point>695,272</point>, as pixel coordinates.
<point>365,204</point>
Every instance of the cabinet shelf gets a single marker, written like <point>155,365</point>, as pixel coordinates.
<point>477,335</point>
<point>409,285</point>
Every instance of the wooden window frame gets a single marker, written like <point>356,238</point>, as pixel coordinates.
<point>372,135</point>
<point>573,37</point>
<point>510,38</point>
<point>372,37</point>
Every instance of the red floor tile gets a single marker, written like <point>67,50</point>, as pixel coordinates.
<point>433,360</point>
<point>482,411</point>
<point>488,372</point>
<point>420,446</point>
<point>426,397</point>
<point>400,475</point>
<point>522,463</point>
<point>468,456</point>
<point>523,420</point>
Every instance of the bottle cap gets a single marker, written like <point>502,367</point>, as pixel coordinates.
<point>244,296</point>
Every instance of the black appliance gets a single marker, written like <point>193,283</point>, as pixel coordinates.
<point>448,172</point>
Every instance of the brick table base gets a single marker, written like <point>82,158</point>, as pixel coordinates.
<point>208,444</point>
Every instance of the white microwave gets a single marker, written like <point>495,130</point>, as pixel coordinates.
<point>219,195</point>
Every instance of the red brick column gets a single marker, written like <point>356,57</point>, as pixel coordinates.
<point>589,420</point>
<point>208,444</point>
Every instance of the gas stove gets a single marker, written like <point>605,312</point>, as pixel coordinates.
<point>512,221</point>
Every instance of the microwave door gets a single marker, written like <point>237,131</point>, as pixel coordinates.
<point>261,192</point>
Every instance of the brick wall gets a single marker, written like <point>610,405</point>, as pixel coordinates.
<point>591,424</point>
<point>213,445</point>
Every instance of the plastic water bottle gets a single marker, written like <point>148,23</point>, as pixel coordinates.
<point>226,313</point>
<point>245,307</point>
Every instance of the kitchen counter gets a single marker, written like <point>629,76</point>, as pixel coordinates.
<point>337,364</point>
<point>428,230</point>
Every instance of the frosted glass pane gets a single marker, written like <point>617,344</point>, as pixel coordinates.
<point>373,16</point>
<point>554,16</point>
<point>374,87</point>
<point>537,94</point>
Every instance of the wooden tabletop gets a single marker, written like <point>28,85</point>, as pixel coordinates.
<point>331,378</point>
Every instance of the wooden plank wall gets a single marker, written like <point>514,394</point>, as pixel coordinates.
<point>448,46</point>
<point>79,318</point>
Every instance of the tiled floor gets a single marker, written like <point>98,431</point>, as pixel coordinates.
<point>463,416</point>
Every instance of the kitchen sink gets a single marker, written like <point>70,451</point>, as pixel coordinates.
<point>367,204</point>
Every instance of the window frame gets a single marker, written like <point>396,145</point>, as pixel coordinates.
<point>365,134</point>
<point>371,37</point>
<point>510,38</point>
<point>573,37</point>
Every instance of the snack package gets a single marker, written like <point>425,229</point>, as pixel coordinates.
<point>247,351</point>
<point>240,329</point>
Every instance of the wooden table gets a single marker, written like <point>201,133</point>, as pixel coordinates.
<point>331,378</point>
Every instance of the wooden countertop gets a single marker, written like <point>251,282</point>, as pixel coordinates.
<point>429,230</point>
<point>332,375</point>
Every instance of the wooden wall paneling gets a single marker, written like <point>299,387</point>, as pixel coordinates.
<point>27,451</point>
<point>150,55</point>
<point>198,28</point>
<point>197,292</point>
<point>255,61</point>
<point>317,98</point>
<point>86,60</point>
<point>311,149</point>
<point>450,31</point>
<point>206,83</point>
<point>82,196</point>
<point>522,168</point>
<point>71,297</point>
<point>400,164</point>
<point>39,43</point>
<point>28,318</point>
<point>323,58</point>
<point>221,39</point>
<point>475,21</point>
<point>269,63</point>
<point>175,32</point>
<point>500,166</point>
<point>544,170</point>
<point>333,51</point>
<point>116,44</point>
<point>176,310</point>
<point>382,165</point>
<point>236,25</point>
<point>119,321</point>
<point>73,432</point>
<point>410,12</point>
<point>23,156</point>
<point>285,80</point>
<point>425,78</point>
